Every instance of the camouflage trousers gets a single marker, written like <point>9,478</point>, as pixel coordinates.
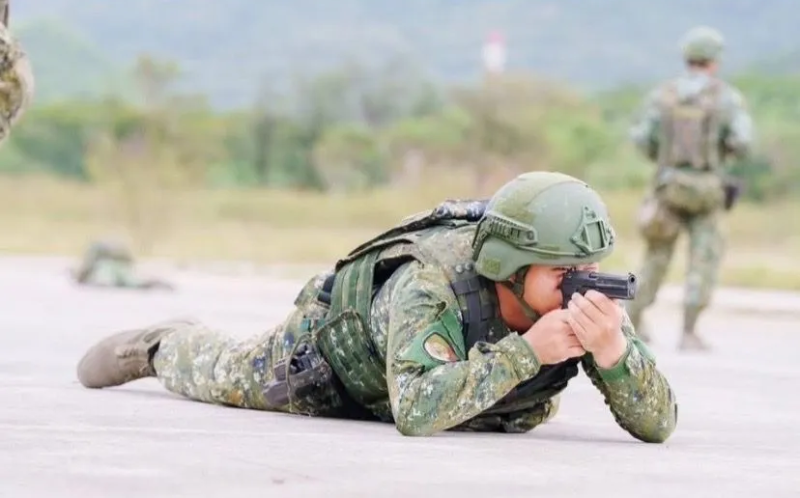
<point>111,273</point>
<point>706,247</point>
<point>208,365</point>
<point>211,366</point>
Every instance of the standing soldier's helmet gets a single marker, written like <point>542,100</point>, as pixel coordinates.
<point>540,218</point>
<point>702,43</point>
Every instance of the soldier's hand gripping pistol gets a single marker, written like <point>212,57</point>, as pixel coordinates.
<point>613,286</point>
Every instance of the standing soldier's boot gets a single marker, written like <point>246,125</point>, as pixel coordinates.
<point>690,340</point>
<point>122,357</point>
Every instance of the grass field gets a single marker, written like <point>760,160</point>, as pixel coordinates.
<point>45,216</point>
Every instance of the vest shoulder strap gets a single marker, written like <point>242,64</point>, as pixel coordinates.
<point>477,299</point>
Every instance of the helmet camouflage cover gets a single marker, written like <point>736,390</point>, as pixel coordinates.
<point>702,43</point>
<point>541,218</point>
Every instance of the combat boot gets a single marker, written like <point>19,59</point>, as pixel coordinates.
<point>693,342</point>
<point>123,357</point>
<point>690,341</point>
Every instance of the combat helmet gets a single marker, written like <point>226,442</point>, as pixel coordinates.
<point>540,218</point>
<point>702,43</point>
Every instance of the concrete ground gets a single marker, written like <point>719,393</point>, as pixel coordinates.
<point>737,433</point>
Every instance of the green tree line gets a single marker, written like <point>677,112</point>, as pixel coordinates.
<point>358,126</point>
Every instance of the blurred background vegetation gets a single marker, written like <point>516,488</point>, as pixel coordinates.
<point>285,132</point>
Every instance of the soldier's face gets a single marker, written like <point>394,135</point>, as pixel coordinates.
<point>542,285</point>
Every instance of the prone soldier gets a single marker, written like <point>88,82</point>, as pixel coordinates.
<point>453,320</point>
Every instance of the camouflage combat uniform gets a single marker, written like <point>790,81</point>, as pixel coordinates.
<point>688,127</point>
<point>16,78</point>
<point>111,264</point>
<point>430,355</point>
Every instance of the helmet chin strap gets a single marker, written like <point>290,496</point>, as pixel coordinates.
<point>517,287</point>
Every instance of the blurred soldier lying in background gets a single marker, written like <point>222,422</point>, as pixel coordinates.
<point>111,264</point>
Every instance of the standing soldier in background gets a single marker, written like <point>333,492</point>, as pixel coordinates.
<point>689,126</point>
<point>16,77</point>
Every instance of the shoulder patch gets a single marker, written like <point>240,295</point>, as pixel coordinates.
<point>439,349</point>
<point>441,342</point>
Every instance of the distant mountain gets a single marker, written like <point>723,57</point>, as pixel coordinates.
<point>227,47</point>
<point>67,64</point>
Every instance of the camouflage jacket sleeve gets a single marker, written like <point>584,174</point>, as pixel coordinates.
<point>638,395</point>
<point>16,82</point>
<point>516,422</point>
<point>434,383</point>
<point>643,131</point>
<point>738,134</point>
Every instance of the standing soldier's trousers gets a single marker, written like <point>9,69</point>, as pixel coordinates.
<point>706,246</point>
